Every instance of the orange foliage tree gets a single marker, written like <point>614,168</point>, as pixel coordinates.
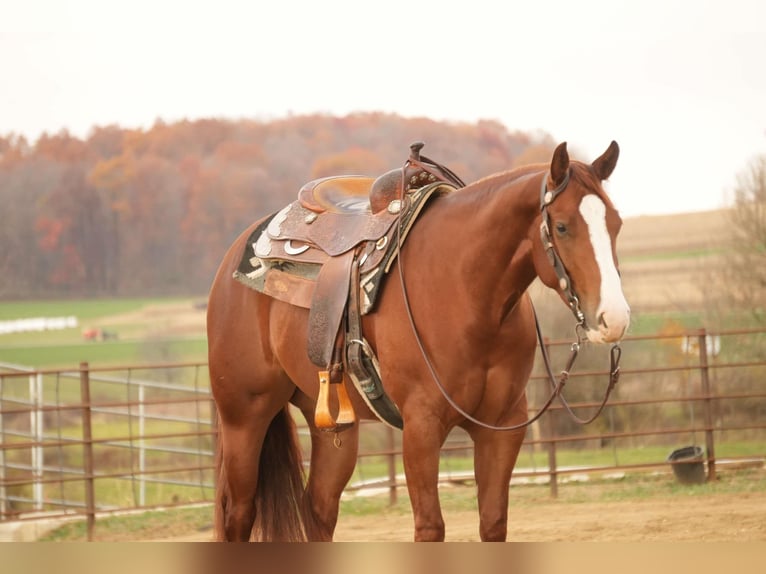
<point>129,211</point>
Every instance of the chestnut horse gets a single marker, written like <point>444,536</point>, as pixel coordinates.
<point>465,268</point>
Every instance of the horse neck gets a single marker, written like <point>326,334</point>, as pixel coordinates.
<point>482,244</point>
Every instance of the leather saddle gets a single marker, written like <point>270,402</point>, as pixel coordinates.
<point>327,251</point>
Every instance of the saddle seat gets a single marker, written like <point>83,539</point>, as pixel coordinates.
<point>347,194</point>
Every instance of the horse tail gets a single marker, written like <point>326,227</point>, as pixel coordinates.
<point>280,488</point>
<point>281,479</point>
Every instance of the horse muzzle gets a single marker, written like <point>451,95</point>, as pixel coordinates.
<point>611,324</point>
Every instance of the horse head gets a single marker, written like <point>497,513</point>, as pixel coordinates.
<point>575,248</point>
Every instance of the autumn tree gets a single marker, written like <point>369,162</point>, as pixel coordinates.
<point>745,265</point>
<point>134,211</point>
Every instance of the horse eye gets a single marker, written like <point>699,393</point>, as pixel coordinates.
<point>561,229</point>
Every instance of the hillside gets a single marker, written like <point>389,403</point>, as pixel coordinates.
<point>663,259</point>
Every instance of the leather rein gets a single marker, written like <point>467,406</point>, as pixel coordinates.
<point>557,384</point>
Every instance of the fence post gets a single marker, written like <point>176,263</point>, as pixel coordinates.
<point>36,434</point>
<point>4,506</point>
<point>550,434</point>
<point>141,446</point>
<point>552,468</point>
<point>87,446</point>
<point>708,406</point>
<point>392,494</point>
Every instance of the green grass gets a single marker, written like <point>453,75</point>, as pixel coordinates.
<point>143,526</point>
<point>83,309</point>
<point>106,353</point>
<point>139,341</point>
<point>377,467</point>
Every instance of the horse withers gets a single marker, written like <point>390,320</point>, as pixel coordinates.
<point>453,331</point>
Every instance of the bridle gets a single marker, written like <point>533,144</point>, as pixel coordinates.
<point>565,283</point>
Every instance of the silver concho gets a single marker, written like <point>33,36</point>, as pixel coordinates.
<point>395,206</point>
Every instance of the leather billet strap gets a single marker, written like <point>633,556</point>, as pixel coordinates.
<point>565,282</point>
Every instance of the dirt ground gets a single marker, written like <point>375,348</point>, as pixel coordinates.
<point>719,518</point>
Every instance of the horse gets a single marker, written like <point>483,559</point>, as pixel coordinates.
<point>463,275</point>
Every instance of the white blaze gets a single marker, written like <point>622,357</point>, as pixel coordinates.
<point>613,307</point>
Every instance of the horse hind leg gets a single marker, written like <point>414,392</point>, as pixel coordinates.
<point>333,459</point>
<point>237,463</point>
<point>260,481</point>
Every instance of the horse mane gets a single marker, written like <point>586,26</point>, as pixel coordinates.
<point>581,172</point>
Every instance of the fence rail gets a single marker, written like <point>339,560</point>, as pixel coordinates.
<point>86,441</point>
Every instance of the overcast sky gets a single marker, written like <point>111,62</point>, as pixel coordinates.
<point>681,85</point>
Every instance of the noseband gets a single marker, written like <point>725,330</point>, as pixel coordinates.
<point>565,283</point>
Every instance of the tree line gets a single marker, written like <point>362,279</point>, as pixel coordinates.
<point>151,212</point>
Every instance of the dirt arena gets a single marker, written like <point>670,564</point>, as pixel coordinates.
<point>719,518</point>
<point>716,518</point>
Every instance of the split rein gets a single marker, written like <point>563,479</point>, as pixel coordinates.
<point>615,354</point>
<point>557,385</point>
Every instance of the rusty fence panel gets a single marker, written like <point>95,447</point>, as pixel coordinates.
<point>98,440</point>
<point>92,441</point>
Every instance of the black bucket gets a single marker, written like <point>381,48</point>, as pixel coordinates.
<point>688,465</point>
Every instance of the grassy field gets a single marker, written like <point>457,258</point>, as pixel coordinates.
<point>146,331</point>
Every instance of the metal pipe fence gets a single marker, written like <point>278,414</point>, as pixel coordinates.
<point>87,441</point>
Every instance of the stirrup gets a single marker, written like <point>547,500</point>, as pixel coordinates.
<point>323,419</point>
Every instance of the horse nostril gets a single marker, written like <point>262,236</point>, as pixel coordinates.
<point>602,320</point>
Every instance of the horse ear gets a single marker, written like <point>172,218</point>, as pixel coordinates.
<point>604,164</point>
<point>559,163</point>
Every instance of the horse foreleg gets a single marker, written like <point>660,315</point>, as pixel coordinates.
<point>333,459</point>
<point>421,443</point>
<point>495,455</point>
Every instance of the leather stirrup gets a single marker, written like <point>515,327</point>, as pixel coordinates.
<point>323,418</point>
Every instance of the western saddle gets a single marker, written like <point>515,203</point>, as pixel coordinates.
<point>327,252</point>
